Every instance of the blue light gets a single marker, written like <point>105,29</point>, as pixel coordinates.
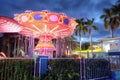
<point>66,21</point>
<point>37,17</point>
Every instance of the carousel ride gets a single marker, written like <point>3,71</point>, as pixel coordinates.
<point>8,25</point>
<point>44,25</point>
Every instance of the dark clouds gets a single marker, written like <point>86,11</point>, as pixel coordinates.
<point>73,8</point>
<point>77,8</point>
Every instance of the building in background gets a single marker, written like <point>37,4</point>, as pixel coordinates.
<point>110,44</point>
<point>112,47</point>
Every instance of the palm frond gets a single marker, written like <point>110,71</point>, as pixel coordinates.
<point>95,27</point>
<point>106,25</point>
<point>102,16</point>
<point>85,30</point>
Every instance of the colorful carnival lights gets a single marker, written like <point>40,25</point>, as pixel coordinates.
<point>45,25</point>
<point>8,25</point>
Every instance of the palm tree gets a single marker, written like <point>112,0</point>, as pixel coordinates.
<point>109,20</point>
<point>89,24</point>
<point>116,10</point>
<point>80,28</point>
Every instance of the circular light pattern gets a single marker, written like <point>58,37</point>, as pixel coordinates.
<point>24,18</point>
<point>53,18</point>
<point>37,17</point>
<point>66,21</point>
<point>72,24</point>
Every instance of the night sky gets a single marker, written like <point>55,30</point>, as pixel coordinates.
<point>73,8</point>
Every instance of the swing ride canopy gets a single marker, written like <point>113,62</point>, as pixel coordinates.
<point>45,25</point>
<point>45,22</point>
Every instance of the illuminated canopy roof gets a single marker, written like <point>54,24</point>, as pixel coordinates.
<point>45,25</point>
<point>9,25</point>
<point>46,22</point>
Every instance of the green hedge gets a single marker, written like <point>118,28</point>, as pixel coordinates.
<point>16,69</point>
<point>69,69</point>
<point>59,69</point>
<point>63,69</point>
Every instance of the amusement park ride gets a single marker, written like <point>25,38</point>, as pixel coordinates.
<point>44,25</point>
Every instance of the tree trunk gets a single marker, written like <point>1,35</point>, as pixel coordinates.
<point>80,43</point>
<point>112,33</point>
<point>90,32</point>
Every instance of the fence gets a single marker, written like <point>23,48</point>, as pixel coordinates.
<point>77,69</point>
<point>97,69</point>
<point>57,69</point>
<point>114,58</point>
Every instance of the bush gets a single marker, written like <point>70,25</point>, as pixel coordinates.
<point>63,69</point>
<point>69,69</point>
<point>58,69</point>
<point>16,69</point>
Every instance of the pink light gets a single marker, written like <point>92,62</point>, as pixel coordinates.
<point>53,18</point>
<point>24,18</point>
<point>9,25</point>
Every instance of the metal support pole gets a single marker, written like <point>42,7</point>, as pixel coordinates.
<point>83,69</point>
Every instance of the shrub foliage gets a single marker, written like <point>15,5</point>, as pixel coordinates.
<point>58,69</point>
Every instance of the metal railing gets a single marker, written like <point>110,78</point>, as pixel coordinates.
<point>97,69</point>
<point>88,69</point>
